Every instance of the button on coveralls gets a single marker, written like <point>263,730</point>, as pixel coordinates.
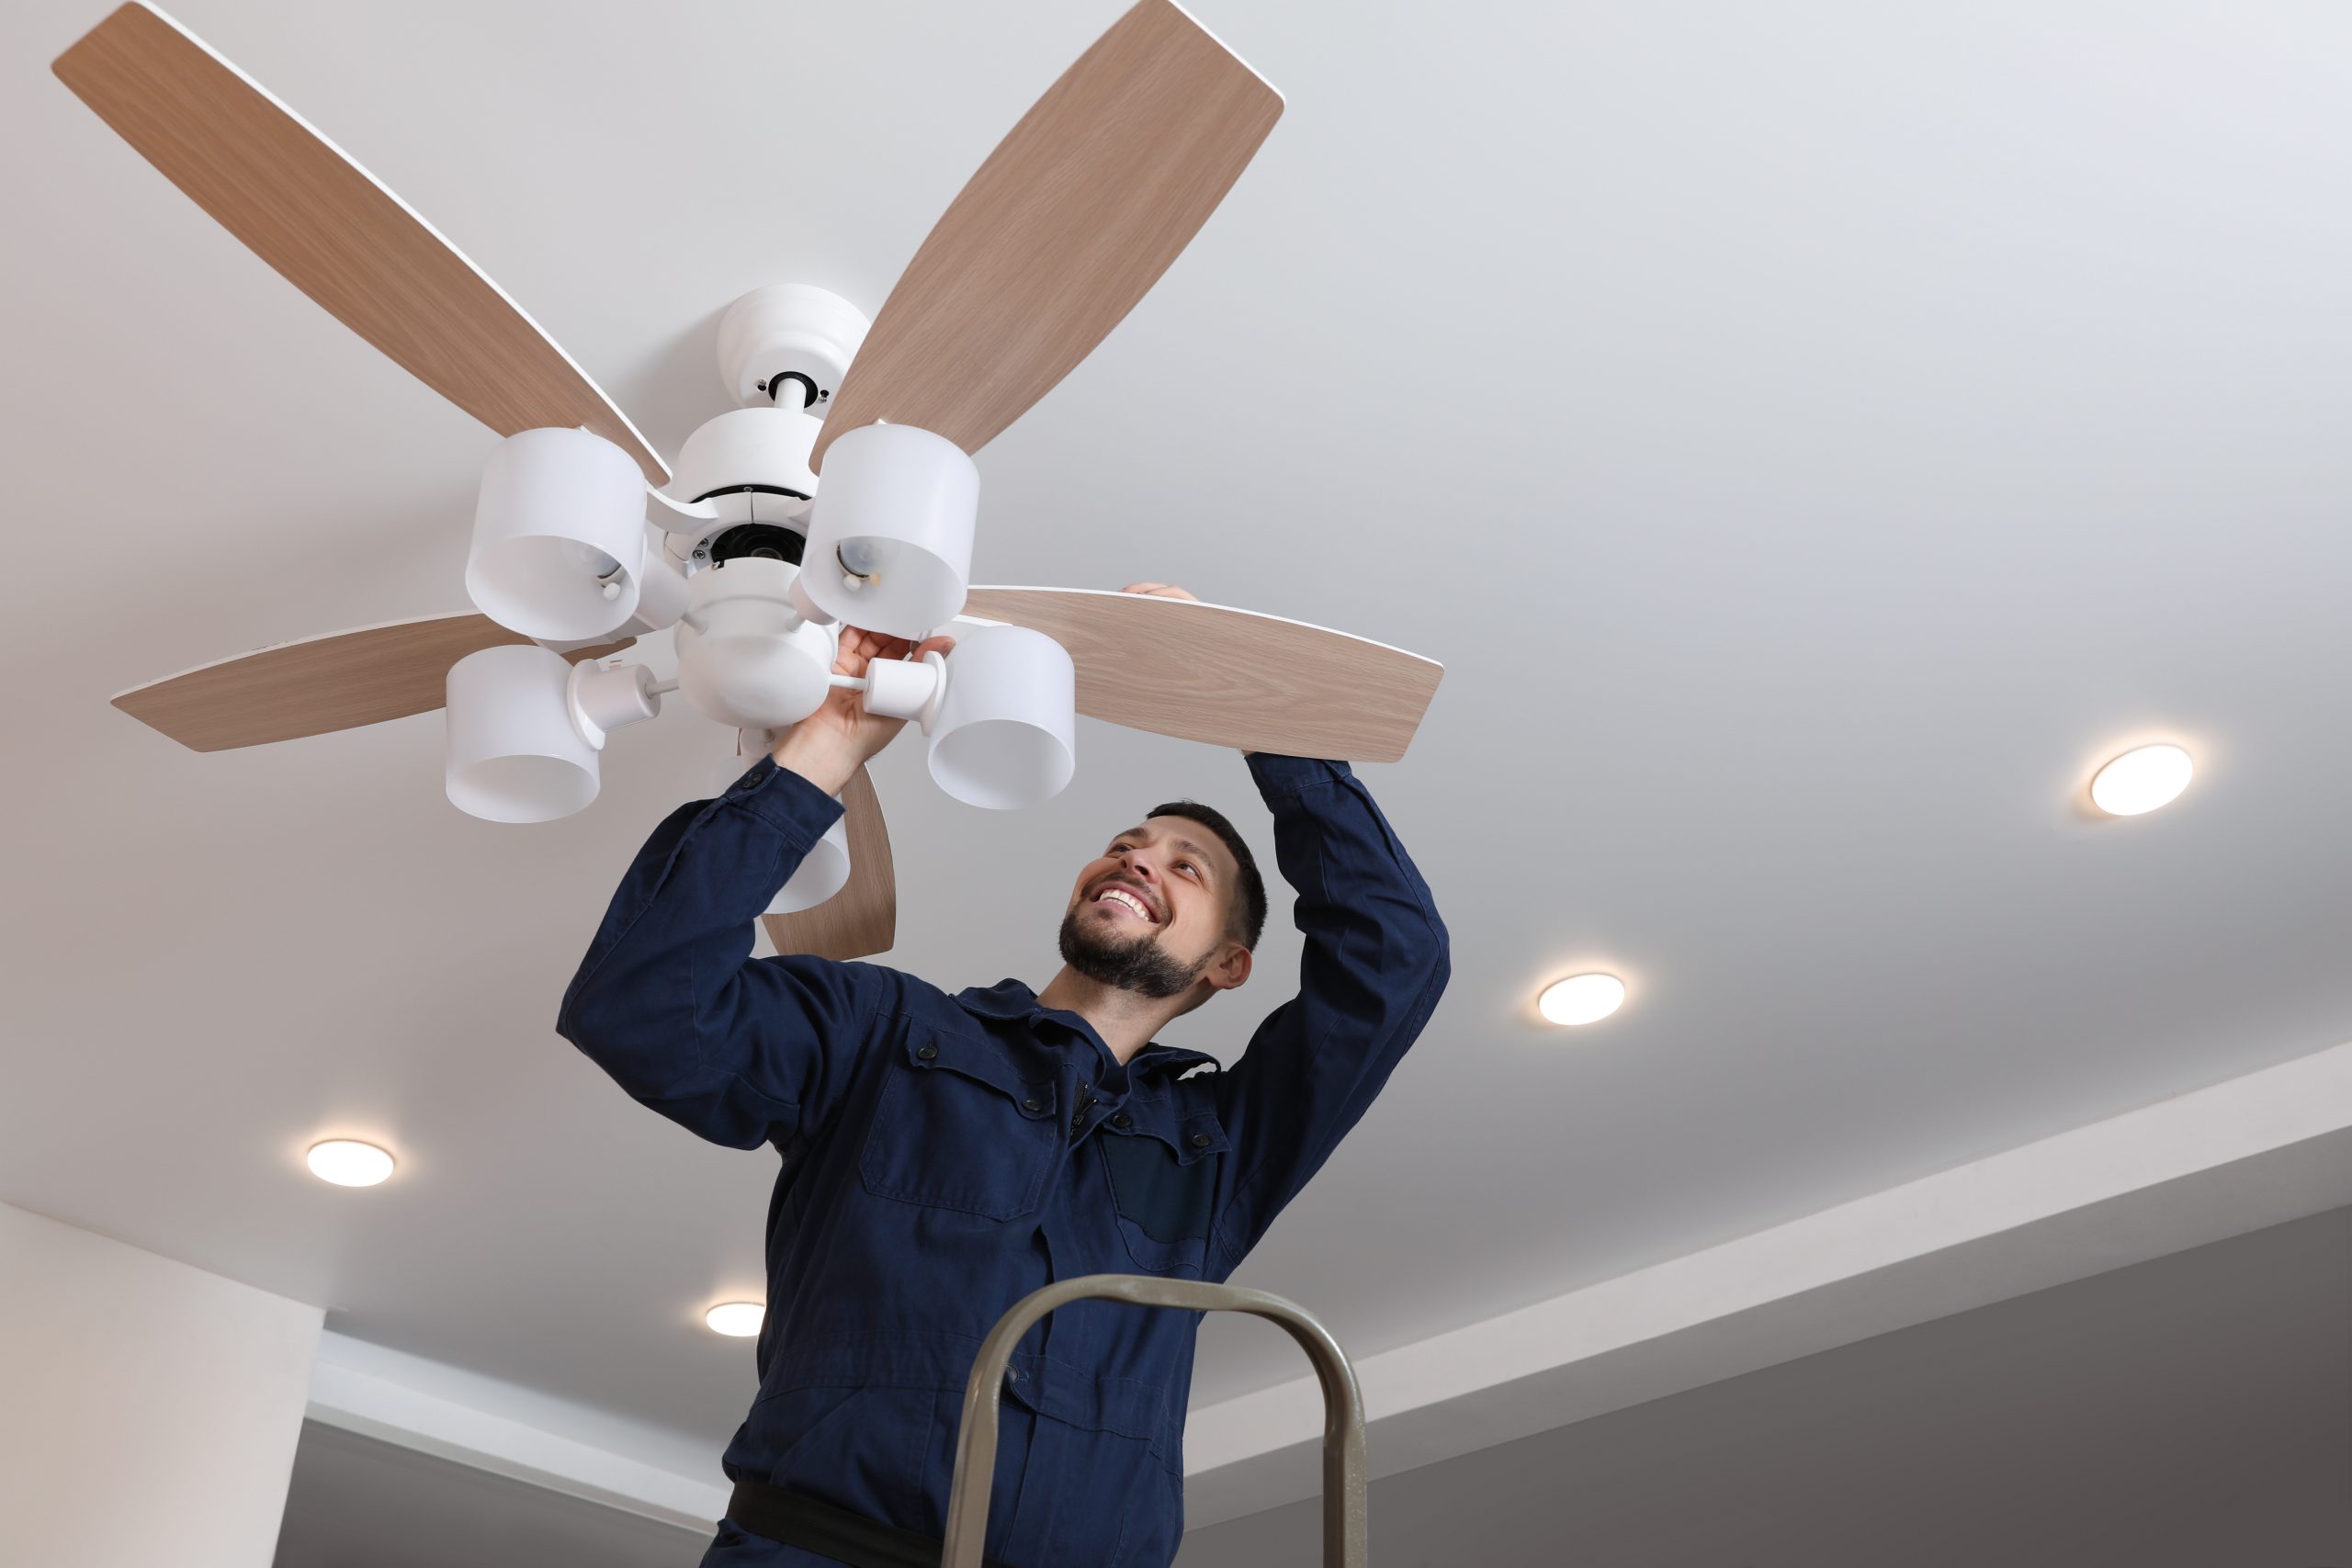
<point>943,1155</point>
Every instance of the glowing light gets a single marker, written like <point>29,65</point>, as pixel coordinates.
<point>737,1320</point>
<point>348,1163</point>
<point>2142,780</point>
<point>1582,999</point>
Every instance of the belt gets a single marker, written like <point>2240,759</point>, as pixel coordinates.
<point>804,1522</point>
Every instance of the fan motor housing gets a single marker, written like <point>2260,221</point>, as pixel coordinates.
<point>751,466</point>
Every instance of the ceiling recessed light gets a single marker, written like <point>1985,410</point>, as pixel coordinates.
<point>347,1163</point>
<point>2141,781</point>
<point>737,1320</point>
<point>1582,999</point>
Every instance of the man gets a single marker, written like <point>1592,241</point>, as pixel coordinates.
<point>944,1155</point>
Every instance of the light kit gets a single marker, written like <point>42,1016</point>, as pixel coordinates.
<point>838,491</point>
<point>747,657</point>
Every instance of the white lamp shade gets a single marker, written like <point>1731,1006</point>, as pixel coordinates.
<point>1005,735</point>
<point>514,752</point>
<point>559,538</point>
<point>891,535</point>
<point>823,873</point>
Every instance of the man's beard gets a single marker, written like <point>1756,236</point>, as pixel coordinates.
<point>1141,966</point>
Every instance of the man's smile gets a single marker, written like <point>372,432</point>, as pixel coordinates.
<point>1125,900</point>
<point>1120,901</point>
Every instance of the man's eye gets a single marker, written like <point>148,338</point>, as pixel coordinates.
<point>1187,865</point>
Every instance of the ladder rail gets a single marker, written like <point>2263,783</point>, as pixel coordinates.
<point>1343,1440</point>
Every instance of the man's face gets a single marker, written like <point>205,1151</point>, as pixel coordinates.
<point>1149,914</point>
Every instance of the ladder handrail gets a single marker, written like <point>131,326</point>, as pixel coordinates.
<point>1343,1448</point>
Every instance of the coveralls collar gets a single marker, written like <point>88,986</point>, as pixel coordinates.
<point>1011,1001</point>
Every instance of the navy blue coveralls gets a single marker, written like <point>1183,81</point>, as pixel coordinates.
<point>943,1155</point>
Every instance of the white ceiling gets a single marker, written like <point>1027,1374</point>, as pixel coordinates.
<point>1813,436</point>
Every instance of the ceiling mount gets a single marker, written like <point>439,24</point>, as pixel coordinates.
<point>793,332</point>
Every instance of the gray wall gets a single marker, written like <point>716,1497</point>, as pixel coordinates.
<point>357,1503</point>
<point>2196,1410</point>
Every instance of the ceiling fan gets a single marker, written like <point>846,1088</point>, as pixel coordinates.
<point>585,541</point>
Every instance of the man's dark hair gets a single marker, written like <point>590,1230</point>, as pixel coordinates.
<point>1246,905</point>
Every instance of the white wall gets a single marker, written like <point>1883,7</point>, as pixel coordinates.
<point>148,1410</point>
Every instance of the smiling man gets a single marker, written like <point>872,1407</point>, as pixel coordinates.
<point>944,1154</point>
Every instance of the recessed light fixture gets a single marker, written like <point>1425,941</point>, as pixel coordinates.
<point>1582,999</point>
<point>2142,780</point>
<point>348,1163</point>
<point>737,1320</point>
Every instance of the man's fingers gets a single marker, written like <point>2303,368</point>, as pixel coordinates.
<point>1159,591</point>
<point>859,647</point>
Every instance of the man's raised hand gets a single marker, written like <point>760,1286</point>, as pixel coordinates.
<point>828,745</point>
<point>1160,591</point>
<point>839,738</point>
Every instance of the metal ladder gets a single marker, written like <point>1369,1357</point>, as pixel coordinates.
<point>1343,1463</point>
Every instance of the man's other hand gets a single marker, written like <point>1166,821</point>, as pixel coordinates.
<point>828,745</point>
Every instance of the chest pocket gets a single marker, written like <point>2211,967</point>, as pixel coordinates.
<point>959,1127</point>
<point>1163,1183</point>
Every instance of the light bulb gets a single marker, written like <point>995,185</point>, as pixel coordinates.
<point>1582,999</point>
<point>2142,780</point>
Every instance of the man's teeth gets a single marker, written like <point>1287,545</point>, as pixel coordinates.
<point>1127,900</point>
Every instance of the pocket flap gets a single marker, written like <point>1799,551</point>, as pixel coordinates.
<point>1198,1136</point>
<point>982,1062</point>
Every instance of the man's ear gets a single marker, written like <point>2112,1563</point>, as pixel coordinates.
<point>1231,968</point>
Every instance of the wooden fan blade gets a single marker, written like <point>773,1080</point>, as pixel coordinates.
<point>1070,221</point>
<point>1226,677</point>
<point>338,682</point>
<point>863,918</point>
<point>332,230</point>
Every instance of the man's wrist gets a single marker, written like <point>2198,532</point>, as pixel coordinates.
<point>1280,777</point>
<point>830,768</point>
